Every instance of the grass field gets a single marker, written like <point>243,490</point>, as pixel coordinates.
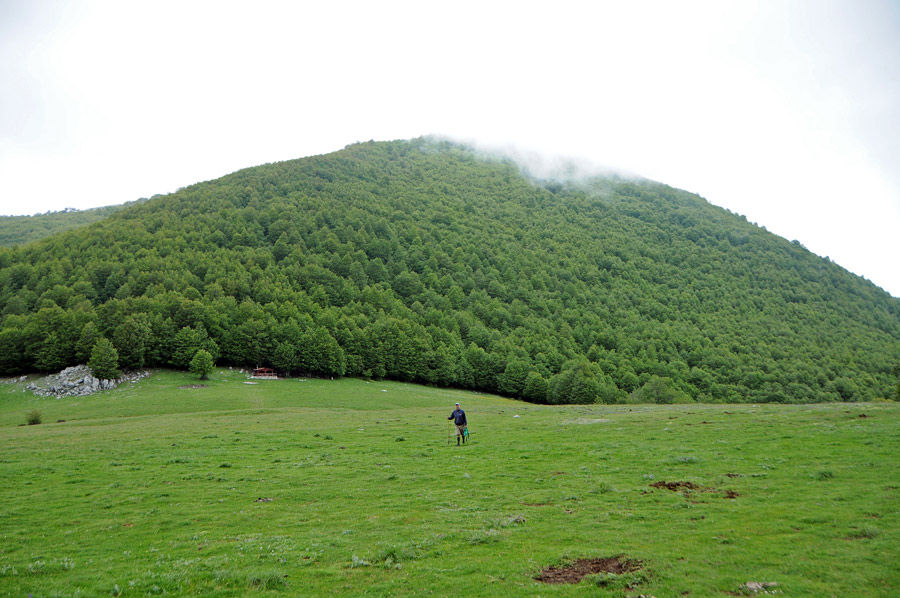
<point>349,488</point>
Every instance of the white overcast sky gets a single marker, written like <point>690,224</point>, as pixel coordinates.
<point>785,111</point>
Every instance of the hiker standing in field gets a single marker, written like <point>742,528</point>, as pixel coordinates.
<point>459,418</point>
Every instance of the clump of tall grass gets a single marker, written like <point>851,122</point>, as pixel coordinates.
<point>866,533</point>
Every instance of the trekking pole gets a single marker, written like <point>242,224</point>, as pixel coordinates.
<point>448,432</point>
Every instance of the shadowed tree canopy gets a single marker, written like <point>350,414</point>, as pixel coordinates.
<point>425,261</point>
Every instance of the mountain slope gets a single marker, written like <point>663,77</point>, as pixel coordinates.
<point>420,260</point>
<point>18,230</point>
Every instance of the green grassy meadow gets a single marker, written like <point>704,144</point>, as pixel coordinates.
<point>346,487</point>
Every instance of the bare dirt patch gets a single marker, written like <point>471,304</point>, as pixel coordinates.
<point>686,487</point>
<point>194,386</point>
<point>676,486</point>
<point>576,571</point>
<point>538,504</point>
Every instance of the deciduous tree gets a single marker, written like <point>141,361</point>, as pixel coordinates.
<point>104,361</point>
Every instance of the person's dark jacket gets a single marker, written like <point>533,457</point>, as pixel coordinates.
<point>459,417</point>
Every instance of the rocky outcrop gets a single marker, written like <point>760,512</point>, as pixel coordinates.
<point>78,381</point>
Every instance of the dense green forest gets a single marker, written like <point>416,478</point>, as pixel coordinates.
<point>424,261</point>
<point>17,230</point>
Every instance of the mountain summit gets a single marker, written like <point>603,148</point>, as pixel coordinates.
<point>426,261</point>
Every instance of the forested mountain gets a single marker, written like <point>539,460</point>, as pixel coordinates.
<point>424,261</point>
<point>17,230</point>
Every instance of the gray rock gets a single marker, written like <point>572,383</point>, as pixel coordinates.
<point>759,586</point>
<point>79,381</point>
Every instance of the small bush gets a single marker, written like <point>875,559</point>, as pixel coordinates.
<point>504,522</point>
<point>267,581</point>
<point>486,536</point>
<point>399,553</point>
<point>622,581</point>
<point>33,418</point>
<point>867,532</point>
<point>602,488</point>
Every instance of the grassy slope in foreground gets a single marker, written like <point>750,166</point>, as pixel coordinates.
<point>153,489</point>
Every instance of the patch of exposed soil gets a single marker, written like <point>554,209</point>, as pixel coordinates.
<point>261,499</point>
<point>863,416</point>
<point>576,571</point>
<point>538,504</point>
<point>682,485</point>
<point>734,475</point>
<point>675,486</point>
<point>194,386</point>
